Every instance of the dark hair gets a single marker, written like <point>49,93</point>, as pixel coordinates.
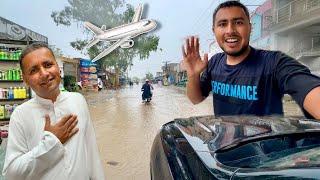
<point>229,4</point>
<point>32,47</point>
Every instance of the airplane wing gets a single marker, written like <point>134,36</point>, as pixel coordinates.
<point>110,48</point>
<point>93,28</point>
<point>137,14</point>
<point>92,42</point>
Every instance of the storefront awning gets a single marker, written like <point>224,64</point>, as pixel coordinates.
<point>12,31</point>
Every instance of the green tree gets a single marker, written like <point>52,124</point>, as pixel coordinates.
<point>110,13</point>
<point>135,79</point>
<point>149,76</point>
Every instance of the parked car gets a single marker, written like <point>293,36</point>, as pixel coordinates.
<point>234,147</point>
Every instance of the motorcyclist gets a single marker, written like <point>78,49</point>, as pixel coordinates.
<point>146,88</point>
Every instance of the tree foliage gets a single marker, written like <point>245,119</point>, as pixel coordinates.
<point>149,76</point>
<point>110,13</point>
<point>136,79</point>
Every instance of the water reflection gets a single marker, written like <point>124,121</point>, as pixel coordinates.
<point>126,127</point>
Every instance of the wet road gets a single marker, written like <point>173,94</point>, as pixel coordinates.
<point>125,127</point>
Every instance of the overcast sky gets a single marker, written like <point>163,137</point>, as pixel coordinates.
<point>178,19</point>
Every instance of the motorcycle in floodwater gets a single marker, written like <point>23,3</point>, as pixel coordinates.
<point>146,98</point>
<point>147,94</point>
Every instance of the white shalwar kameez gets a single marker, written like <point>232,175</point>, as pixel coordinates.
<point>33,153</point>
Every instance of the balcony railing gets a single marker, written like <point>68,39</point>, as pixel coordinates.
<point>306,47</point>
<point>296,8</point>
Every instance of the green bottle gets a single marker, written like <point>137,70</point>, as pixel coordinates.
<point>1,53</point>
<point>10,74</point>
<point>14,76</point>
<point>18,74</point>
<point>5,54</point>
<point>2,112</point>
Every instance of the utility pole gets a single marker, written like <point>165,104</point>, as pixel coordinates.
<point>166,66</point>
<point>165,75</point>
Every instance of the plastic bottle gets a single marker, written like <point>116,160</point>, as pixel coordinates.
<point>5,53</point>
<point>19,74</point>
<point>14,106</point>
<point>14,54</point>
<point>24,92</point>
<point>1,93</point>
<point>7,110</point>
<point>9,74</point>
<point>11,93</point>
<point>15,74</point>
<point>9,54</point>
<point>15,93</point>
<point>19,53</point>
<point>1,53</point>
<point>5,93</point>
<point>2,116</point>
<point>18,92</point>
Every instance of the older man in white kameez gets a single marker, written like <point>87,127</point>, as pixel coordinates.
<point>51,136</point>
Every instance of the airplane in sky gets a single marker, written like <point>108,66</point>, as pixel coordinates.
<point>121,35</point>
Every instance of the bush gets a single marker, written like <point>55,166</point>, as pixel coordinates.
<point>70,83</point>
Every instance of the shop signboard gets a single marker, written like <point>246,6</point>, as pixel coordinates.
<point>12,31</point>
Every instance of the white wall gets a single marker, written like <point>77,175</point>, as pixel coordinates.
<point>313,64</point>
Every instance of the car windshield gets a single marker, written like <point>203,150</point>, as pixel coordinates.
<point>281,151</point>
<point>304,157</point>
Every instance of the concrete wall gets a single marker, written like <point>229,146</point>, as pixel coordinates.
<point>281,42</point>
<point>313,64</point>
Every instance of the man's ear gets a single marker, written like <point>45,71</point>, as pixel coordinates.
<point>24,81</point>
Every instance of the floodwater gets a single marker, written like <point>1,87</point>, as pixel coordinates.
<point>125,127</point>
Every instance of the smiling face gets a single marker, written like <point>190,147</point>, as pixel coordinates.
<point>232,29</point>
<point>41,72</point>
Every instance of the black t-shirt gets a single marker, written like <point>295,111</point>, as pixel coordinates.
<point>257,84</point>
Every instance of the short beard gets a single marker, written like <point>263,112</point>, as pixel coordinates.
<point>238,53</point>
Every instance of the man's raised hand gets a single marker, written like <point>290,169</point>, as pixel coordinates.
<point>192,61</point>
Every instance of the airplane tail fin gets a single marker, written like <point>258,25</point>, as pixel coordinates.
<point>92,42</point>
<point>137,13</point>
<point>93,28</point>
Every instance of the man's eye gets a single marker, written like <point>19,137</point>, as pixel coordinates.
<point>222,24</point>
<point>238,22</point>
<point>32,71</point>
<point>48,65</point>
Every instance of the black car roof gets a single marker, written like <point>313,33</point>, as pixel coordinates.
<point>210,133</point>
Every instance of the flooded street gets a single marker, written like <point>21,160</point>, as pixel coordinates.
<point>125,127</point>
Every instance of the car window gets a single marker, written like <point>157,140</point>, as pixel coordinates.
<point>304,158</point>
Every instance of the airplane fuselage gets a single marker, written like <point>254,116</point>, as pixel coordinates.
<point>128,30</point>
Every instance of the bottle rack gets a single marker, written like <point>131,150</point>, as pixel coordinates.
<point>12,90</point>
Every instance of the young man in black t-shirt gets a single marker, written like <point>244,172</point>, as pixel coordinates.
<point>244,80</point>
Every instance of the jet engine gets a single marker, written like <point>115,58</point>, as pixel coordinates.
<point>127,44</point>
